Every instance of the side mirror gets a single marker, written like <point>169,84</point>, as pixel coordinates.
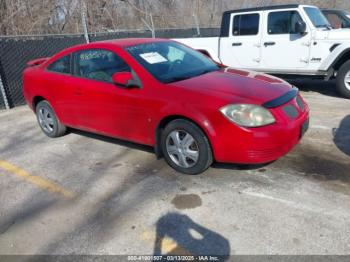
<point>124,79</point>
<point>300,27</point>
<point>343,25</point>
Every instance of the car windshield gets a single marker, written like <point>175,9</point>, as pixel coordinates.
<point>316,17</point>
<point>170,62</point>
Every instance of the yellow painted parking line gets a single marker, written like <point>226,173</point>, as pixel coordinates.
<point>35,180</point>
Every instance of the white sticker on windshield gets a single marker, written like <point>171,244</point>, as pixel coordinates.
<point>153,58</point>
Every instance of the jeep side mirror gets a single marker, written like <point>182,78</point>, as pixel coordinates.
<point>300,27</point>
<point>124,79</point>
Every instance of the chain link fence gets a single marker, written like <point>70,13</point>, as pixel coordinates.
<point>15,52</point>
<point>3,98</point>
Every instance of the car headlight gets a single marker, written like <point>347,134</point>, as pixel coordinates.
<point>248,115</point>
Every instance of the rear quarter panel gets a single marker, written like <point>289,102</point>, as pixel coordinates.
<point>34,85</point>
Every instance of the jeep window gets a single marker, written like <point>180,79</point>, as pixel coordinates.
<point>283,22</point>
<point>246,24</point>
<point>316,17</point>
<point>61,65</point>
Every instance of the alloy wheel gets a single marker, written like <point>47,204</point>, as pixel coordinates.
<point>46,120</point>
<point>182,148</point>
<point>347,80</point>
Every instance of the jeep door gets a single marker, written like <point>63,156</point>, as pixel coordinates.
<point>283,49</point>
<point>242,47</point>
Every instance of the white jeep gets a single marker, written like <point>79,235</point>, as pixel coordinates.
<point>292,41</point>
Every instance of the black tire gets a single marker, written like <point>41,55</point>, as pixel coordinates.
<point>205,156</point>
<point>51,126</point>
<point>342,88</point>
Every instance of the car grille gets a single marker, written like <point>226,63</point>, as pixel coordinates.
<point>293,109</point>
<point>290,111</point>
<point>300,103</point>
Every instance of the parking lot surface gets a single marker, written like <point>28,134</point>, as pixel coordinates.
<point>88,194</point>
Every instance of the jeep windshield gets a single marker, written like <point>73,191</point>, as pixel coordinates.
<point>170,62</point>
<point>345,18</point>
<point>317,18</point>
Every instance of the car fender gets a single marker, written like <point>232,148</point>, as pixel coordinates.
<point>173,112</point>
<point>193,114</point>
<point>335,56</point>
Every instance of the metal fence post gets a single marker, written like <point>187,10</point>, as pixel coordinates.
<point>83,21</point>
<point>153,30</point>
<point>3,93</point>
<point>197,24</point>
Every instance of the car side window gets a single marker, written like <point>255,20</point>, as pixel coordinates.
<point>246,24</point>
<point>99,64</point>
<point>283,22</point>
<point>61,65</point>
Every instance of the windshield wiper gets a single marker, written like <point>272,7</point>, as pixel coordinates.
<point>177,78</point>
<point>207,71</point>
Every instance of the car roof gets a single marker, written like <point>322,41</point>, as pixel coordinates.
<point>132,41</point>
<point>115,42</point>
<point>263,8</point>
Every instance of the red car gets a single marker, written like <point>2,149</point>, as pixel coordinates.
<point>169,96</point>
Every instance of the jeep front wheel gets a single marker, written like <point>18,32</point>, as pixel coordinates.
<point>343,80</point>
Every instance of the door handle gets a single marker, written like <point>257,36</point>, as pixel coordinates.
<point>269,43</point>
<point>236,44</point>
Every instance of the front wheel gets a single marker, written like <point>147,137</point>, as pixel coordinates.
<point>185,147</point>
<point>343,80</point>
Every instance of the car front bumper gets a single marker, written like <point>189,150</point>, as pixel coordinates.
<point>259,145</point>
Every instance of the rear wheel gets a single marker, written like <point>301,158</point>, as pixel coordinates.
<point>48,120</point>
<point>343,80</point>
<point>185,147</point>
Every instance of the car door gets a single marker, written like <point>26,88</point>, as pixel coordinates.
<point>242,47</point>
<point>103,106</point>
<point>282,48</point>
<point>60,82</point>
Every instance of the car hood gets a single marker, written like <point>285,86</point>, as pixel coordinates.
<point>334,34</point>
<point>238,85</point>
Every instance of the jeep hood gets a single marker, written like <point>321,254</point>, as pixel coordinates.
<point>237,86</point>
<point>334,34</point>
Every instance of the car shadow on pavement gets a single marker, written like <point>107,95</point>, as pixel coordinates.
<point>150,149</point>
<point>341,135</point>
<point>190,239</point>
<point>327,88</point>
<point>113,140</point>
<point>228,166</point>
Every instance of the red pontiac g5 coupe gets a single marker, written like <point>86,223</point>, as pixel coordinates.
<point>169,96</point>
